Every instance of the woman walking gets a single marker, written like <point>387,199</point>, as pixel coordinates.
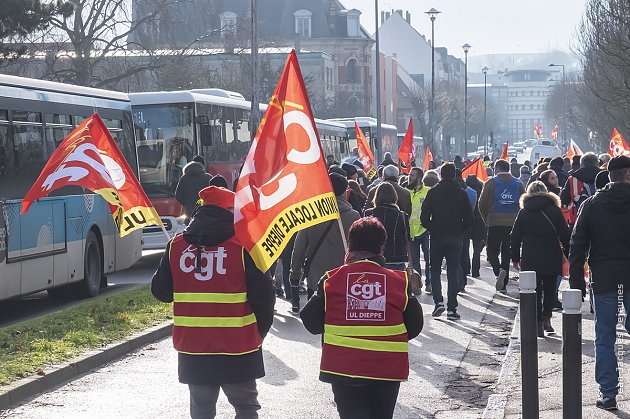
<point>538,231</point>
<point>550,179</point>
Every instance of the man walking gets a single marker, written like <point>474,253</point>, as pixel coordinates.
<point>192,181</point>
<point>498,206</point>
<point>418,233</point>
<point>602,232</point>
<point>390,175</point>
<point>222,306</point>
<point>446,213</point>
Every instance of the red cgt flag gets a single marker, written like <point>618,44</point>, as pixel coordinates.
<point>618,145</point>
<point>428,158</point>
<point>407,152</point>
<point>365,154</point>
<point>574,150</point>
<point>554,133</point>
<point>504,154</point>
<point>90,158</point>
<point>476,168</point>
<point>284,186</point>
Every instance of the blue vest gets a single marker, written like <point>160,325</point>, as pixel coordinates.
<point>506,196</point>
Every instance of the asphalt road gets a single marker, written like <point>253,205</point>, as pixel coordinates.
<point>453,369</point>
<point>34,305</point>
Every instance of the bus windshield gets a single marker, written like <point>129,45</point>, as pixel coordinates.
<point>165,145</point>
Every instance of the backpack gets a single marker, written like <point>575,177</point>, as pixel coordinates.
<point>579,192</point>
<point>506,196</point>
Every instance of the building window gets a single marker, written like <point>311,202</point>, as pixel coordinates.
<point>303,23</point>
<point>329,78</point>
<point>228,24</point>
<point>527,76</point>
<point>352,69</point>
<point>522,107</point>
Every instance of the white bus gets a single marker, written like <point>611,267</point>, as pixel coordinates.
<point>389,141</point>
<point>173,127</point>
<point>67,242</point>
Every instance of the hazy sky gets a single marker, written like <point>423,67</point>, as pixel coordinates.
<point>490,26</point>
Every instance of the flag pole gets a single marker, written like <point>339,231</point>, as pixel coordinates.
<point>343,235</point>
<point>168,238</point>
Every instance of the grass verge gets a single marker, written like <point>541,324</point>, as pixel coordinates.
<point>27,347</point>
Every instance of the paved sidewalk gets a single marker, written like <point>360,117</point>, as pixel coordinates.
<point>454,367</point>
<point>550,374</point>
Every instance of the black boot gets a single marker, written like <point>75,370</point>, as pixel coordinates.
<point>541,330</point>
<point>547,325</point>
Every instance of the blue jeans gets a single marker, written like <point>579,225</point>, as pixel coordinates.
<point>607,306</point>
<point>451,249</point>
<point>421,242</point>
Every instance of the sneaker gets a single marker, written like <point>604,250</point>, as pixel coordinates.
<point>439,309</point>
<point>452,315</point>
<point>428,290</point>
<point>607,403</point>
<point>500,285</point>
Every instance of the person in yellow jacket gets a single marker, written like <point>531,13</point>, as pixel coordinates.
<point>419,235</point>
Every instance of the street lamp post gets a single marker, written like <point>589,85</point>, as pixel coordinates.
<point>564,103</point>
<point>485,96</point>
<point>432,15</point>
<point>255,111</point>
<point>466,48</point>
<point>379,128</point>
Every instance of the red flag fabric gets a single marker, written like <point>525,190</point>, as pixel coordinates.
<point>554,133</point>
<point>284,185</point>
<point>504,154</point>
<point>618,145</point>
<point>574,150</point>
<point>407,152</point>
<point>538,131</point>
<point>476,168</point>
<point>428,158</point>
<point>365,154</point>
<point>90,158</point>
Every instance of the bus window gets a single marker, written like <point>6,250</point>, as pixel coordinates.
<point>31,149</point>
<point>7,161</point>
<point>58,127</point>
<point>243,135</point>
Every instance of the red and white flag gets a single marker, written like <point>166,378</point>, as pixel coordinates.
<point>90,158</point>
<point>618,145</point>
<point>538,131</point>
<point>504,154</point>
<point>428,158</point>
<point>554,133</point>
<point>284,185</point>
<point>365,154</point>
<point>407,152</point>
<point>574,150</point>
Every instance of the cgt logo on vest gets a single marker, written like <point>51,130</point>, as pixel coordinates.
<point>211,262</point>
<point>366,296</point>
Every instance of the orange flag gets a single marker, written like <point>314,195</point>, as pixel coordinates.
<point>476,168</point>
<point>284,185</point>
<point>574,150</point>
<point>90,158</point>
<point>504,154</point>
<point>428,157</point>
<point>618,145</point>
<point>365,154</point>
<point>407,152</point>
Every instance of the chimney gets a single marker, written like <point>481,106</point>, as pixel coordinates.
<point>332,13</point>
<point>383,18</point>
<point>408,18</point>
<point>399,11</point>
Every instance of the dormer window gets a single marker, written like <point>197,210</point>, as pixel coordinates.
<point>228,24</point>
<point>303,23</point>
<point>354,27</point>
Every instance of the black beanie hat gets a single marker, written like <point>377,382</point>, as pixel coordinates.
<point>349,169</point>
<point>339,183</point>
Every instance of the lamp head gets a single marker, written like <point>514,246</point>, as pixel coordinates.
<point>432,13</point>
<point>485,69</point>
<point>466,48</point>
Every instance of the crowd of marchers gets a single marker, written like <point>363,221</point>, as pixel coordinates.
<point>559,218</point>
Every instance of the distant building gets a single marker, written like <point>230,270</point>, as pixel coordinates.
<point>310,25</point>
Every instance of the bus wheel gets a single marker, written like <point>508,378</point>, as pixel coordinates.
<point>92,267</point>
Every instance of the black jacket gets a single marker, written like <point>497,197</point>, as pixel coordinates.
<point>396,225</point>
<point>446,210</point>
<point>192,181</point>
<point>602,232</point>
<point>540,241</point>
<point>314,312</point>
<point>209,227</point>
<point>585,174</point>
<point>479,231</point>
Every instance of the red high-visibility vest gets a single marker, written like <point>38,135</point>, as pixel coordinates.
<point>210,307</point>
<point>364,331</point>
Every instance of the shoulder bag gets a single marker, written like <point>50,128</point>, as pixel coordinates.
<point>565,261</point>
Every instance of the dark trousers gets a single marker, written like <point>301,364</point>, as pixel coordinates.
<point>499,242</point>
<point>243,396</point>
<point>546,293</point>
<point>478,246</point>
<point>464,264</point>
<point>421,242</point>
<point>370,401</point>
<point>451,249</point>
